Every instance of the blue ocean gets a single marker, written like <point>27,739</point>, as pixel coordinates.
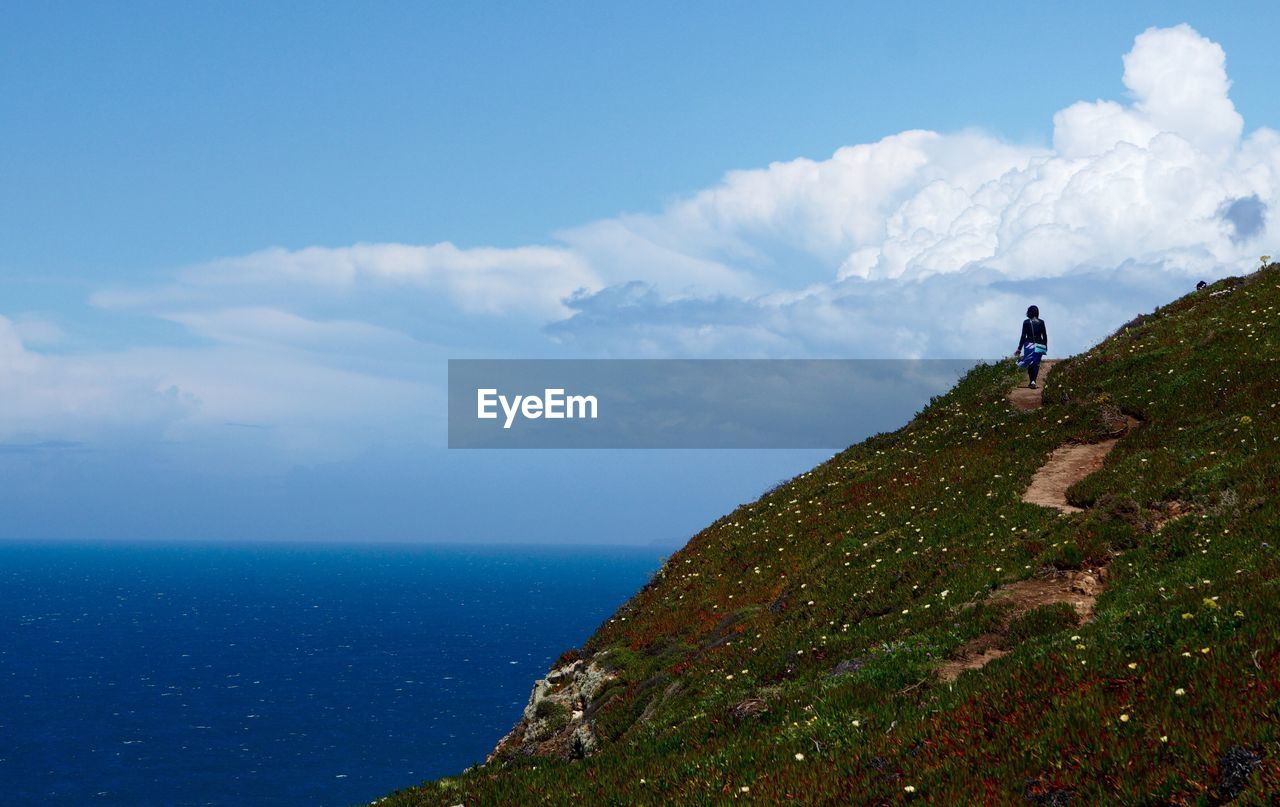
<point>277,674</point>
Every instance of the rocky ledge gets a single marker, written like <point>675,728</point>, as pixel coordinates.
<point>557,720</point>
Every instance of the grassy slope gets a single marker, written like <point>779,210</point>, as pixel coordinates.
<point>873,555</point>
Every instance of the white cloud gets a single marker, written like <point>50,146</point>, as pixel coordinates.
<point>271,327</point>
<point>283,375</point>
<point>524,281</point>
<point>757,222</point>
<point>1178,81</point>
<point>77,397</point>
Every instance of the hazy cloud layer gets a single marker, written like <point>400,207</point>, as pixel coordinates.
<point>920,244</point>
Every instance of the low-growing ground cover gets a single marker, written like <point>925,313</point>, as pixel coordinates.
<point>791,651</point>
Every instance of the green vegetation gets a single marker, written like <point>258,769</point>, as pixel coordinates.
<point>555,714</point>
<point>882,558</point>
<point>1041,621</point>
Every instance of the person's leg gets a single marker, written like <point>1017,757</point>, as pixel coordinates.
<point>1033,370</point>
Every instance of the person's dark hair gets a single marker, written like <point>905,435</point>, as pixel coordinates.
<point>1033,312</point>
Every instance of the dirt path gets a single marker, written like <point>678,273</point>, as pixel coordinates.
<point>1025,398</point>
<point>1067,465</point>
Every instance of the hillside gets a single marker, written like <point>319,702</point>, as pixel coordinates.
<point>899,624</point>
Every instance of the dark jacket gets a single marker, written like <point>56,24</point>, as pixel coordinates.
<point>1033,331</point>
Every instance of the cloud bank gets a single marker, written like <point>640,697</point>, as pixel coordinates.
<point>920,244</point>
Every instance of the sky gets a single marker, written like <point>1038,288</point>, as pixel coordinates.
<point>238,242</point>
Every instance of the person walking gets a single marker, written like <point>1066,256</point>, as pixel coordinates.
<point>1032,344</point>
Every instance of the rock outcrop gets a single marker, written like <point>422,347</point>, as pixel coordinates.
<point>557,720</point>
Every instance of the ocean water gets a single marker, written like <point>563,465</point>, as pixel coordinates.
<point>277,674</point>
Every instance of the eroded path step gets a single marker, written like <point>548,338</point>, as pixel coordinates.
<point>1079,589</point>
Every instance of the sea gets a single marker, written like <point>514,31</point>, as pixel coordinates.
<point>277,674</point>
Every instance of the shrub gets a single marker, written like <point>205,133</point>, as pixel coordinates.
<point>549,710</point>
<point>1066,555</point>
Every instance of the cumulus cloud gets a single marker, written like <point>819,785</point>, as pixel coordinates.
<point>919,244</point>
<point>1134,201</point>
<point>800,220</point>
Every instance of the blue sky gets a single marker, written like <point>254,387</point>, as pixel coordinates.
<point>239,241</point>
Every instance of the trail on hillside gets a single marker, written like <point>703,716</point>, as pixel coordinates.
<point>1066,466</point>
